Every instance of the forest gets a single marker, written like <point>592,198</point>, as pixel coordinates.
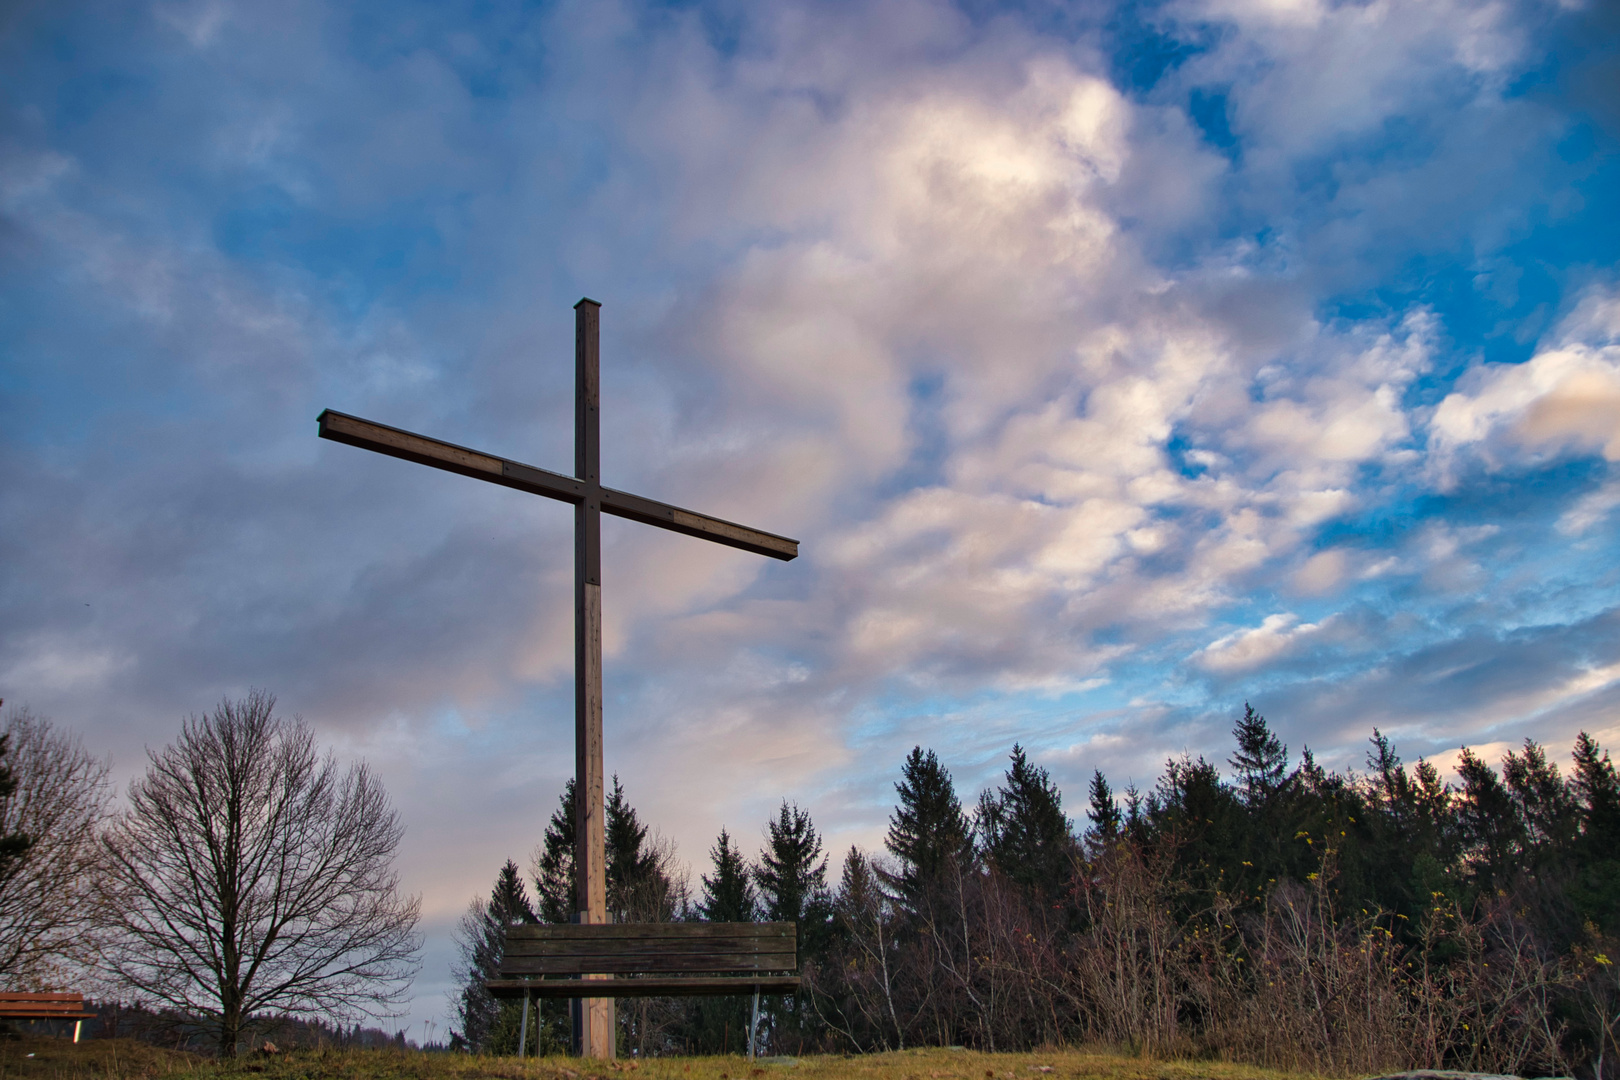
<point>1274,912</point>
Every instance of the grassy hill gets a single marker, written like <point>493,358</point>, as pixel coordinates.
<point>125,1059</point>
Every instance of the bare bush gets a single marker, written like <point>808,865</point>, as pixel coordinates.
<point>1126,971</point>
<point>1296,987</point>
<point>1486,992</point>
<point>47,920</point>
<point>250,874</point>
<point>1299,987</point>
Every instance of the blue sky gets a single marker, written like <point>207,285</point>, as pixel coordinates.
<point>1114,363</point>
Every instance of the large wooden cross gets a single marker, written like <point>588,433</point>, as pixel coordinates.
<point>591,500</point>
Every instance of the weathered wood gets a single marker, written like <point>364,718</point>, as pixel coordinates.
<point>409,446</point>
<point>741,954</point>
<point>671,931</point>
<point>594,1021</point>
<point>648,963</point>
<point>723,986</point>
<point>43,1006</point>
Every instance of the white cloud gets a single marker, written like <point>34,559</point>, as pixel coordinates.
<point>58,664</point>
<point>1244,650</point>
<point>1590,509</point>
<point>1565,396</point>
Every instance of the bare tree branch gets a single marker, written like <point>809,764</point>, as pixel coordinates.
<point>249,874</point>
<point>47,918</point>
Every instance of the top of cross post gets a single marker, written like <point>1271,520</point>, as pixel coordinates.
<point>587,300</point>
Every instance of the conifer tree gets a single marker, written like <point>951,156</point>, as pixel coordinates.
<point>1408,829</point>
<point>632,864</point>
<point>1489,822</point>
<point>792,871</point>
<point>928,832</point>
<point>720,1024</point>
<point>1261,761</point>
<point>554,862</point>
<point>1596,890</point>
<point>1193,814</point>
<point>1022,828</point>
<point>728,896</point>
<point>1105,816</point>
<point>792,880</point>
<point>639,887</point>
<point>1598,790</point>
<point>1545,804</point>
<point>488,1025</point>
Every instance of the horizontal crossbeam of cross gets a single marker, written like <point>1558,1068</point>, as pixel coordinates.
<point>343,428</point>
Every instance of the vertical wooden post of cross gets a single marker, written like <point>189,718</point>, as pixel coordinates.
<point>596,1035</point>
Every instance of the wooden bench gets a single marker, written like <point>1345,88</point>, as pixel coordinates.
<point>685,959</point>
<point>46,1007</point>
<point>678,959</point>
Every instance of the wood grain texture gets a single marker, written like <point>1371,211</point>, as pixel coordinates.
<point>650,948</point>
<point>438,454</point>
<point>648,987</point>
<point>23,1006</point>
<point>645,963</point>
<point>675,931</point>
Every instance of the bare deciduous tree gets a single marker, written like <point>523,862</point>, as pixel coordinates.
<point>250,874</point>
<point>60,796</point>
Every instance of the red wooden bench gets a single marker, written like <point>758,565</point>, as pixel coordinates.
<point>45,1007</point>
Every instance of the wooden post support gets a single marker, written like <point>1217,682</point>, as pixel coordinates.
<point>753,1025</point>
<point>523,1028</point>
<point>590,872</point>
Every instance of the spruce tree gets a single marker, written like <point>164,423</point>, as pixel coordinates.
<point>1261,761</point>
<point>928,832</point>
<point>792,880</point>
<point>792,871</point>
<point>554,862</point>
<point>639,887</point>
<point>630,864</point>
<point>488,1025</point>
<point>1492,831</point>
<point>1597,789</point>
<point>1105,816</point>
<point>1546,804</point>
<point>1406,825</point>
<point>728,896</point>
<point>1278,810</point>
<point>640,881</point>
<point>720,1024</point>
<point>1023,831</point>
<point>1201,820</point>
<point>1596,891</point>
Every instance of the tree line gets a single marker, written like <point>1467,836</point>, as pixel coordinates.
<point>1276,912</point>
<point>248,881</point>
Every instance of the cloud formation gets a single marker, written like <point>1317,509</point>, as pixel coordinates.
<point>1111,372</point>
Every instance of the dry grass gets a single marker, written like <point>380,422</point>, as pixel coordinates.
<point>123,1059</point>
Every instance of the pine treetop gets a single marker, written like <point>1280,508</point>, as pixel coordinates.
<point>792,870</point>
<point>928,831</point>
<point>728,896</point>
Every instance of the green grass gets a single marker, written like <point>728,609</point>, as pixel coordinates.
<point>124,1059</point>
